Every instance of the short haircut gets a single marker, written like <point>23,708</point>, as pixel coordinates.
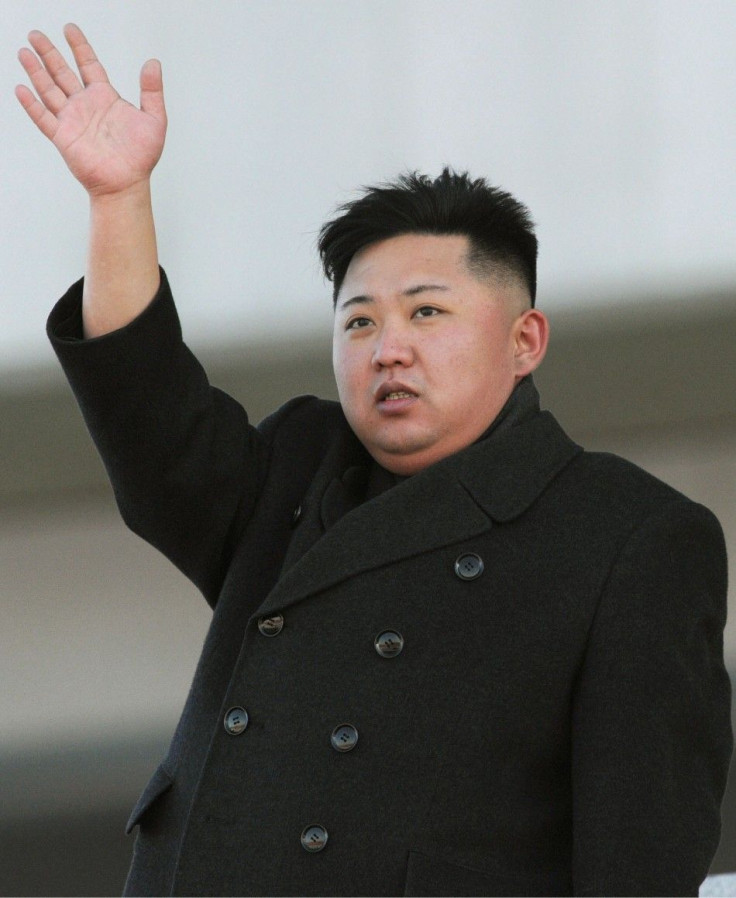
<point>499,228</point>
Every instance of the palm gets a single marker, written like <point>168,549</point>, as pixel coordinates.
<point>107,143</point>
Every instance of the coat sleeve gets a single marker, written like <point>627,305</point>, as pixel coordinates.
<point>185,464</point>
<point>651,731</point>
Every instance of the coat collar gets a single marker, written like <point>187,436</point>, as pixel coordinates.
<point>462,496</point>
<point>507,474</point>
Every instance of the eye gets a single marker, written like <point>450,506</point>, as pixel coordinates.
<point>357,323</point>
<point>426,312</point>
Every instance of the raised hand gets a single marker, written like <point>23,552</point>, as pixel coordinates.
<point>108,144</point>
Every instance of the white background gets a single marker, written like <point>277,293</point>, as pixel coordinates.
<point>613,121</point>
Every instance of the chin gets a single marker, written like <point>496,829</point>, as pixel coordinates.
<point>405,460</point>
<point>403,453</point>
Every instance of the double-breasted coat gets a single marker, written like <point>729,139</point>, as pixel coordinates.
<point>502,676</point>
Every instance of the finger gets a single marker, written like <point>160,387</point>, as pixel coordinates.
<point>52,96</point>
<point>152,90</point>
<point>44,120</point>
<point>54,63</point>
<point>90,68</point>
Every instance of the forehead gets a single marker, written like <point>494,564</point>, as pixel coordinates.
<point>397,260</point>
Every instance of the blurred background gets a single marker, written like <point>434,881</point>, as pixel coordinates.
<point>613,121</point>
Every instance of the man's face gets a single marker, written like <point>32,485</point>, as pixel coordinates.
<point>425,354</point>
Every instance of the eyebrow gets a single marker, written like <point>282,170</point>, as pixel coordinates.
<point>411,291</point>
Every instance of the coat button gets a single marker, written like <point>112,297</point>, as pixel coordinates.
<point>236,720</point>
<point>297,513</point>
<point>344,737</point>
<point>271,626</point>
<point>389,643</point>
<point>314,838</point>
<point>469,566</point>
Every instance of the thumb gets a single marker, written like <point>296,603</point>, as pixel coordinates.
<point>152,90</point>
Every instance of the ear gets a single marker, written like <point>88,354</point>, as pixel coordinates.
<point>531,335</point>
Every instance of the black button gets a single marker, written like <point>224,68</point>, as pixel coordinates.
<point>236,720</point>
<point>469,566</point>
<point>314,838</point>
<point>296,515</point>
<point>271,626</point>
<point>344,737</point>
<point>389,643</point>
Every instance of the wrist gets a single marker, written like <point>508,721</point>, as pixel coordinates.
<point>135,195</point>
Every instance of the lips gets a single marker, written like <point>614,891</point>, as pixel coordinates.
<point>392,391</point>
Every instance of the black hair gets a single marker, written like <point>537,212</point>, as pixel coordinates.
<point>499,228</point>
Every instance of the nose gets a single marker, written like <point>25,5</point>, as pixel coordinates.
<point>393,347</point>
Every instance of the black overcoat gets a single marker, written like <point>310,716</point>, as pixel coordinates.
<point>557,720</point>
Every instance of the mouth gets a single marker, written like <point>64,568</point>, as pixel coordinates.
<point>397,394</point>
<point>394,389</point>
<point>394,395</point>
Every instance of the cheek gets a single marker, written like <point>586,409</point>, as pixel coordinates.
<point>472,362</point>
<point>465,351</point>
<point>348,372</point>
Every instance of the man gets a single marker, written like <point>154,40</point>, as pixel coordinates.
<point>451,653</point>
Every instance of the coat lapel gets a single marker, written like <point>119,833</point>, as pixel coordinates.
<point>506,475</point>
<point>398,523</point>
<point>458,498</point>
<point>328,488</point>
